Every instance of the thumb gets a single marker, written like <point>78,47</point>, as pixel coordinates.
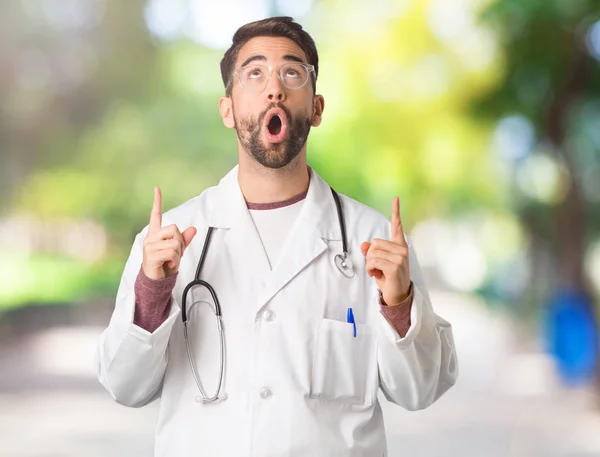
<point>364,247</point>
<point>188,235</point>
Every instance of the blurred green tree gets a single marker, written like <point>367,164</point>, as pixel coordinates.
<point>551,81</point>
<point>144,113</point>
<point>63,64</point>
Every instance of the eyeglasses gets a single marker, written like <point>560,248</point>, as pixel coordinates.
<point>255,77</point>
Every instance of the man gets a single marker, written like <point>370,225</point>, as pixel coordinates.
<point>309,337</point>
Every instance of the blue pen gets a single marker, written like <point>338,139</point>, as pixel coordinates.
<point>351,320</point>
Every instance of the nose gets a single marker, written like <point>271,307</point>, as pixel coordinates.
<point>275,92</point>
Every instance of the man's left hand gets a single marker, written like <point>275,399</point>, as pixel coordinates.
<point>387,261</point>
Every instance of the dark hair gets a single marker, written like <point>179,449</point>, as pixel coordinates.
<point>282,26</point>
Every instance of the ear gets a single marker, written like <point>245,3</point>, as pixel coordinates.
<point>226,110</point>
<point>318,107</point>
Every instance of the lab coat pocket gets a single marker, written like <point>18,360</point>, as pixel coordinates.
<point>344,366</point>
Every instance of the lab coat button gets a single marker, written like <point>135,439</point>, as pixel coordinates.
<point>266,393</point>
<point>269,315</point>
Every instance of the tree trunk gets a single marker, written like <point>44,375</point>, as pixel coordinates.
<point>572,218</point>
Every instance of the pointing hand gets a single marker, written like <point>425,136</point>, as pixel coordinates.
<point>387,261</point>
<point>163,246</point>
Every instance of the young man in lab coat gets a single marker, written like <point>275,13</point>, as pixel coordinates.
<point>300,378</point>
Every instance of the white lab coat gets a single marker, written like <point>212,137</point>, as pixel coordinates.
<point>298,382</point>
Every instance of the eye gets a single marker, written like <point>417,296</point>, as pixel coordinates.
<point>292,73</point>
<point>254,73</point>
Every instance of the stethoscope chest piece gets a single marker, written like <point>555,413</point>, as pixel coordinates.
<point>344,264</point>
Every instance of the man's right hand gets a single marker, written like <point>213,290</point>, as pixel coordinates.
<point>163,246</point>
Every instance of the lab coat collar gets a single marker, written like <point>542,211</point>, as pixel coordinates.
<point>318,210</point>
<point>306,241</point>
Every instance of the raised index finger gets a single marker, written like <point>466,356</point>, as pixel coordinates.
<point>397,231</point>
<point>156,213</point>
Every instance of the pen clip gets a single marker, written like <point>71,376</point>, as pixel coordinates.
<point>350,319</point>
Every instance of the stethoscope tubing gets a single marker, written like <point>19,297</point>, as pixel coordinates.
<point>342,262</point>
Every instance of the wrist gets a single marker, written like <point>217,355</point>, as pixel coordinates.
<point>404,299</point>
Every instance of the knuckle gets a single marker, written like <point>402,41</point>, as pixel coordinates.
<point>168,229</point>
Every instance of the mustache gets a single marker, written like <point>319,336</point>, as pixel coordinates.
<point>287,112</point>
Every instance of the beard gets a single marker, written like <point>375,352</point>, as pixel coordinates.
<point>273,155</point>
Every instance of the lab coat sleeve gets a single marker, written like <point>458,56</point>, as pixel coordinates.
<point>417,369</point>
<point>130,362</point>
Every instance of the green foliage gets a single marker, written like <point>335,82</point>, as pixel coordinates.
<point>398,120</point>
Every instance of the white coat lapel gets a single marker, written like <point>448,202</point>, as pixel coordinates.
<point>317,222</point>
<point>230,212</point>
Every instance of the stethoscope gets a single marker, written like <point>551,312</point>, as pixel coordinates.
<point>342,262</point>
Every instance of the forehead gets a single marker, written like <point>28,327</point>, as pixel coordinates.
<point>273,48</point>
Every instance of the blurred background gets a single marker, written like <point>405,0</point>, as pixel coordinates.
<point>483,115</point>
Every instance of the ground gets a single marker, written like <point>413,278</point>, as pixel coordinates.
<point>508,401</point>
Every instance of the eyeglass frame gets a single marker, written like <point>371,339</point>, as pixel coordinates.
<point>309,67</point>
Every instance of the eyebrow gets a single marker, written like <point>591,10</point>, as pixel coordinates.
<point>288,57</point>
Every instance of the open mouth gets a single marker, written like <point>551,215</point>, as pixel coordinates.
<point>275,125</point>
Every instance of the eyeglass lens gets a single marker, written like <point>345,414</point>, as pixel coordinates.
<point>255,77</point>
